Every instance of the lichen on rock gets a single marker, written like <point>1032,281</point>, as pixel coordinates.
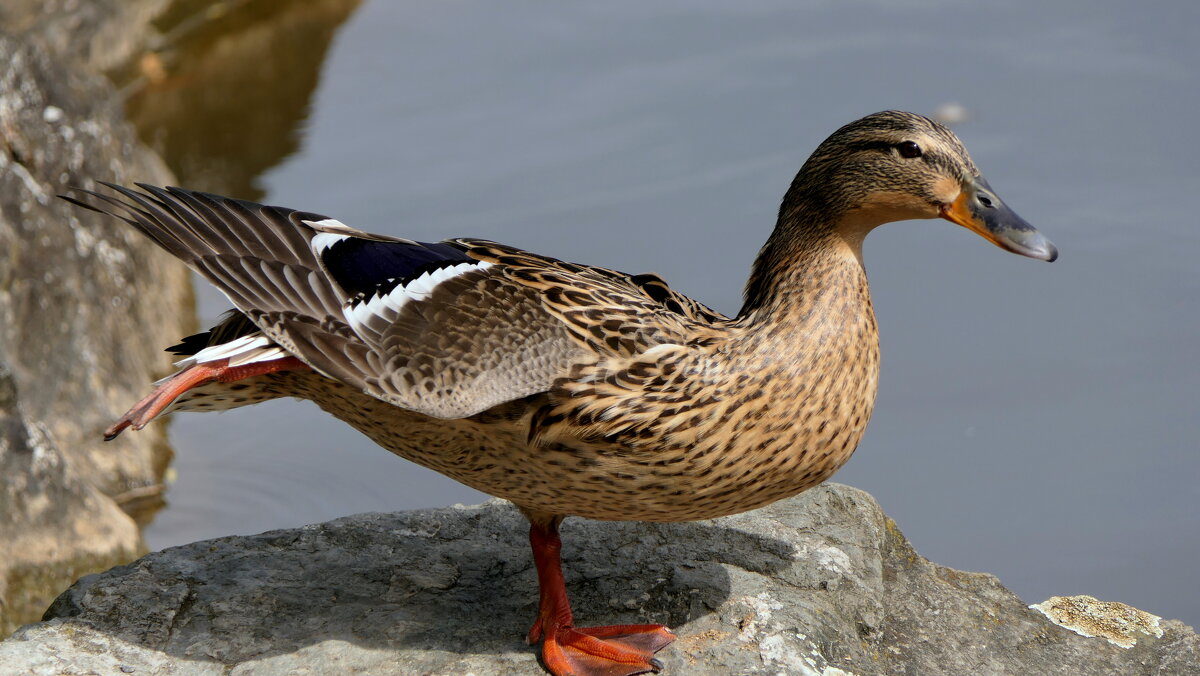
<point>1114,622</point>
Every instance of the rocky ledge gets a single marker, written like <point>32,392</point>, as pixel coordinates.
<point>820,584</point>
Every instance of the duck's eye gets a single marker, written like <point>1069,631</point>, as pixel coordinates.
<point>908,149</point>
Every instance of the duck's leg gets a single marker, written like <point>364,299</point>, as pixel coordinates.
<point>618,650</point>
<point>191,377</point>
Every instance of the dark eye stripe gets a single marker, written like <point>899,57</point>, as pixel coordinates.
<point>872,145</point>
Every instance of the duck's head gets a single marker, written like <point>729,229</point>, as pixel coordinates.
<point>894,166</point>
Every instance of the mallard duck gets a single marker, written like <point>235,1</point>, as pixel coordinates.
<point>570,389</point>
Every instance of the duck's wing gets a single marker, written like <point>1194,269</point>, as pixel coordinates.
<point>447,329</point>
<point>611,313</point>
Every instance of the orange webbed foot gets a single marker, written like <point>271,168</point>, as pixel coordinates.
<point>618,650</point>
<point>567,650</point>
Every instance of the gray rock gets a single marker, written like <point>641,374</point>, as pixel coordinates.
<point>73,288</point>
<point>77,285</point>
<point>103,34</point>
<point>54,526</point>
<point>820,584</point>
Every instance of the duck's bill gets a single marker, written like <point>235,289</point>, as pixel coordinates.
<point>978,209</point>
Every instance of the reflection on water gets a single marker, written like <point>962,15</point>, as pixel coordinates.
<point>226,95</point>
<point>1035,421</point>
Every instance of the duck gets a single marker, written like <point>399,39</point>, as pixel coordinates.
<point>571,389</point>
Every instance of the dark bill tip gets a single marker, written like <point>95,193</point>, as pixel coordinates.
<point>1004,227</point>
<point>1034,245</point>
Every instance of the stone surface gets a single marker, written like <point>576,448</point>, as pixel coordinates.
<point>102,34</point>
<point>820,584</point>
<point>75,288</point>
<point>54,526</point>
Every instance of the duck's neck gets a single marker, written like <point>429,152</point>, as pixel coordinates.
<point>809,271</point>
<point>807,334</point>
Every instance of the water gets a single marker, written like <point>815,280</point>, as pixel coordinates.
<point>1034,421</point>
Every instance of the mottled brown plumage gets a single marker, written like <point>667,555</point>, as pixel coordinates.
<point>570,389</point>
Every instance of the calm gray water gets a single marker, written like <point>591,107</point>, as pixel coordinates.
<point>1034,421</point>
